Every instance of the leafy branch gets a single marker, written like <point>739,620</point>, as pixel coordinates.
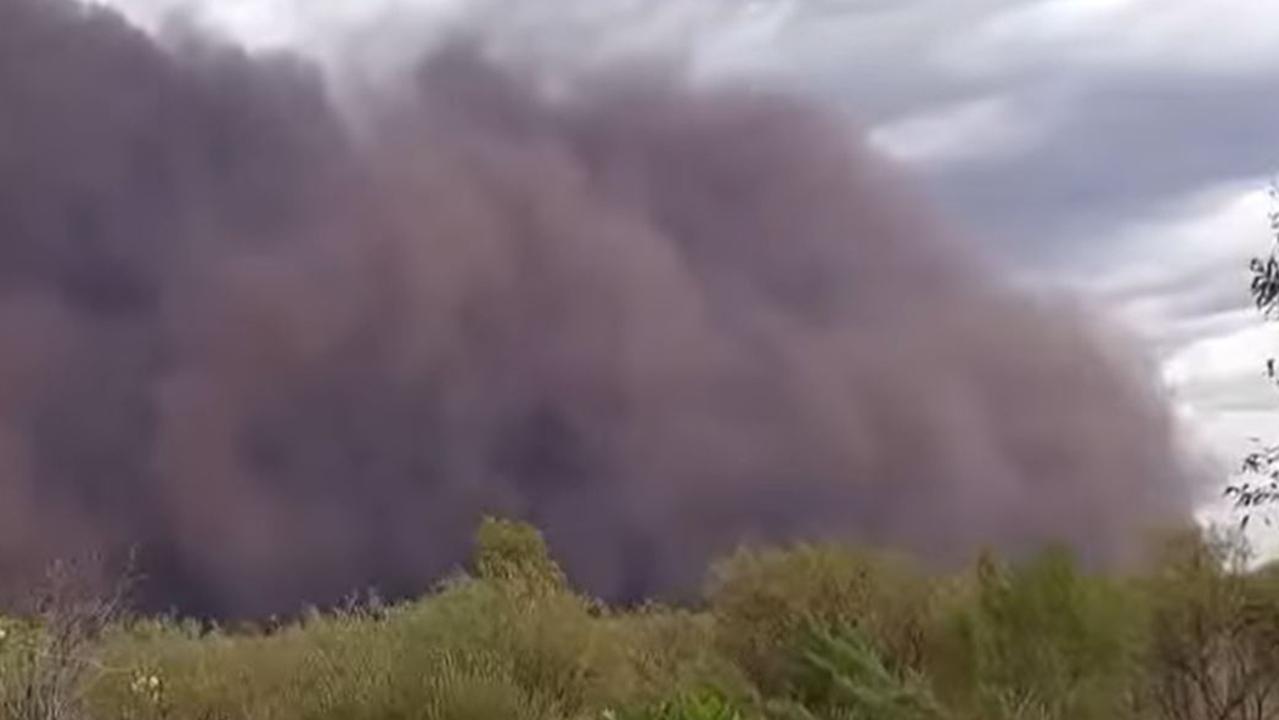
<point>1259,470</point>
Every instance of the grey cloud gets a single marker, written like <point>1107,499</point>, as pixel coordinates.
<point>1119,141</point>
<point>1114,143</point>
<point>1117,152</point>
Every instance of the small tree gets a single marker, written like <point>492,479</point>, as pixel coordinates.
<point>50,651</point>
<point>516,554</point>
<point>1215,634</point>
<point>1259,479</point>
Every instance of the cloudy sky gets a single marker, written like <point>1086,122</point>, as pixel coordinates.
<point>1118,147</point>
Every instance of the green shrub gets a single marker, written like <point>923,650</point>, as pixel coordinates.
<point>1041,640</point>
<point>844,677</point>
<point>670,652</point>
<point>515,554</point>
<point>763,603</point>
<point>810,633</point>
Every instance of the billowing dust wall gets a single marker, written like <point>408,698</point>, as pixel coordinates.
<point>286,360</point>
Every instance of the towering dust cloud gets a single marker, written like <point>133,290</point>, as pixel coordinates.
<point>288,360</point>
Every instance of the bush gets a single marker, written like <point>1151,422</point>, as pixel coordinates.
<point>811,633</point>
<point>669,652</point>
<point>843,676</point>
<point>515,555</point>
<point>1041,640</point>
<point>49,657</point>
<point>1215,646</point>
<point>765,602</point>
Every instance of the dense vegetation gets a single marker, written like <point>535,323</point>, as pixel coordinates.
<point>809,632</point>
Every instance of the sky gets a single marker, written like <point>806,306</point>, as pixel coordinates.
<point>1118,148</point>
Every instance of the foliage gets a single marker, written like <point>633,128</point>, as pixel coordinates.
<point>764,602</point>
<point>1259,482</point>
<point>48,656</point>
<point>516,554</point>
<point>1215,646</point>
<point>1265,271</point>
<point>1042,640</point>
<point>843,676</point>
<point>818,632</point>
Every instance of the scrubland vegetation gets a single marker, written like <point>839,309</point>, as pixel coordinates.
<point>809,632</point>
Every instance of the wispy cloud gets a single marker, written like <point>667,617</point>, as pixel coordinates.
<point>1176,37</point>
<point>987,128</point>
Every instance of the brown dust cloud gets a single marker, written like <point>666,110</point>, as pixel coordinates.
<point>286,358</point>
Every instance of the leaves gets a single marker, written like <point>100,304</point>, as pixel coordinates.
<point>1265,461</point>
<point>844,676</point>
